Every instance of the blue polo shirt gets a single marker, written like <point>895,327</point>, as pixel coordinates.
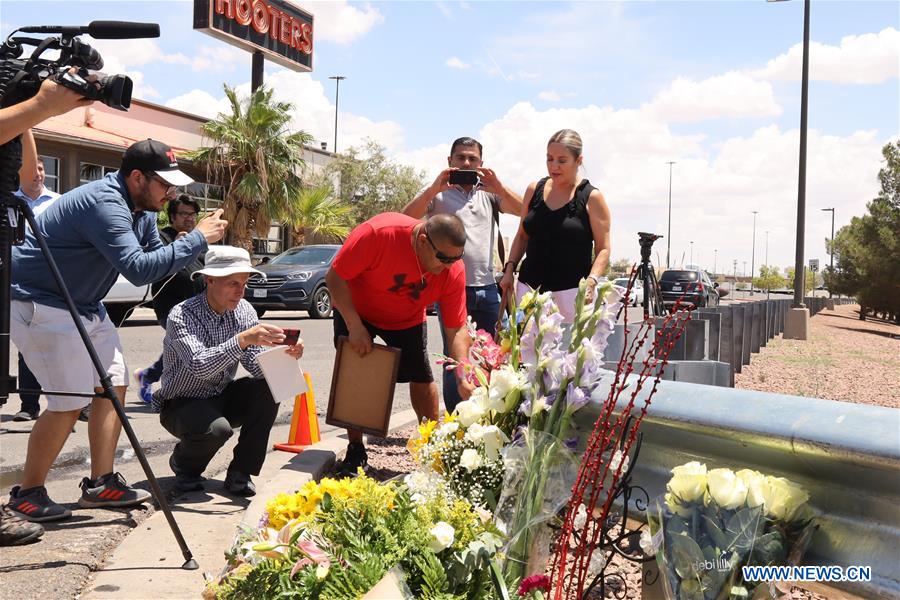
<point>94,233</point>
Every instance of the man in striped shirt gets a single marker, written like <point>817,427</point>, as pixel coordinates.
<point>200,402</point>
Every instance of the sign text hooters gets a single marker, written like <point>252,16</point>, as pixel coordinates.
<point>278,28</point>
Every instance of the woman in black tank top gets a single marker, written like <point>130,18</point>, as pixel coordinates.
<point>564,228</point>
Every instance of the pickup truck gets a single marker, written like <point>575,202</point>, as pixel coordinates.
<point>122,297</point>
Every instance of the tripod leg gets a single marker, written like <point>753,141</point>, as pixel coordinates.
<point>108,390</point>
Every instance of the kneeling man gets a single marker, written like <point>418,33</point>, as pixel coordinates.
<point>199,401</point>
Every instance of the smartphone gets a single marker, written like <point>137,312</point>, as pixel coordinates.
<point>291,337</point>
<point>463,177</point>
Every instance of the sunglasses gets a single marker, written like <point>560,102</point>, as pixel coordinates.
<point>447,260</point>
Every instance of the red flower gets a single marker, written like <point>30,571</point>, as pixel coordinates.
<point>535,582</point>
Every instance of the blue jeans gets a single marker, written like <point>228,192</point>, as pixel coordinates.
<point>483,305</point>
<point>27,381</point>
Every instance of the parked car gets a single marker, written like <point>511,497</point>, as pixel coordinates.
<point>637,291</point>
<point>295,280</point>
<point>124,296</point>
<point>692,287</point>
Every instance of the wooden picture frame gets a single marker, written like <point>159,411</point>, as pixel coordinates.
<point>362,388</point>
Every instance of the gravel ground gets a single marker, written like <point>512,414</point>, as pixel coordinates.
<point>843,359</point>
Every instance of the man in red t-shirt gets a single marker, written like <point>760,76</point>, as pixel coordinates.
<point>390,268</point>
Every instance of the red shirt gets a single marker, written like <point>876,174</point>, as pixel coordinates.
<point>388,288</point>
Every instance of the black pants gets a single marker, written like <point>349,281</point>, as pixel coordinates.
<point>203,425</point>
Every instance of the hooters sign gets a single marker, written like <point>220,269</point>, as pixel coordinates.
<point>280,29</point>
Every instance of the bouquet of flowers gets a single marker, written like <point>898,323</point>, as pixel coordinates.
<point>338,539</point>
<point>460,457</point>
<point>711,523</point>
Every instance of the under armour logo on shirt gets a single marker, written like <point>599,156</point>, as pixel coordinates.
<point>414,289</point>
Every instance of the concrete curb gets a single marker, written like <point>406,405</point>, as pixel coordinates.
<point>147,564</point>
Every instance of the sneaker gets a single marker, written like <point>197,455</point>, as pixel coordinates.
<point>85,414</point>
<point>185,482</point>
<point>355,458</point>
<point>25,415</point>
<point>15,531</point>
<point>145,389</point>
<point>239,484</point>
<point>110,490</point>
<point>35,505</point>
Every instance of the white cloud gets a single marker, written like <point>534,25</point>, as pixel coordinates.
<point>549,96</point>
<point>869,58</point>
<point>199,102</point>
<point>732,95</point>
<point>455,63</point>
<point>444,10</point>
<point>714,189</point>
<point>337,21</point>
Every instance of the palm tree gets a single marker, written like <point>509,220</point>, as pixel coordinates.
<point>316,211</point>
<point>255,159</point>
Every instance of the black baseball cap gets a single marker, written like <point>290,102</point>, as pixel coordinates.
<point>156,157</point>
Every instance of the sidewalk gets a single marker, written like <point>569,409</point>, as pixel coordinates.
<point>147,564</point>
<point>844,359</point>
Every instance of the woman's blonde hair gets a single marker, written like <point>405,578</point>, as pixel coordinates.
<point>568,138</point>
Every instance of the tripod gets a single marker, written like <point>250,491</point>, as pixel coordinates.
<point>653,302</point>
<point>13,213</point>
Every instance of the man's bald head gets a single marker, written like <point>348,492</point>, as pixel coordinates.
<point>446,228</point>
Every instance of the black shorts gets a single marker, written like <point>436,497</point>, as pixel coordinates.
<point>412,343</point>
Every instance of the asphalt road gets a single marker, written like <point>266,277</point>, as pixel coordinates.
<point>142,341</point>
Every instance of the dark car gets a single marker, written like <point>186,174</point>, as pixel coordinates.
<point>295,280</point>
<point>692,287</point>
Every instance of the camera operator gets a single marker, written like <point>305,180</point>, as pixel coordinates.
<point>94,232</point>
<point>51,100</point>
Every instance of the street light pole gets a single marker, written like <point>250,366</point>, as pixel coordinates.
<point>337,90</point>
<point>669,233</point>
<point>753,253</point>
<point>767,261</point>
<point>715,258</point>
<point>831,249</point>
<point>692,252</point>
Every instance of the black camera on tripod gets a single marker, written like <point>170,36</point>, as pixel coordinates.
<point>646,241</point>
<point>20,78</point>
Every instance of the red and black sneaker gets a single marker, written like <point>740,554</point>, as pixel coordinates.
<point>33,504</point>
<point>15,531</point>
<point>110,490</point>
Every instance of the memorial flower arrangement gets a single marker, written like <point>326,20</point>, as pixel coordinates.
<point>712,522</point>
<point>338,539</point>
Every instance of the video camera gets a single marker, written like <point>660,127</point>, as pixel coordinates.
<point>20,78</point>
<point>646,241</point>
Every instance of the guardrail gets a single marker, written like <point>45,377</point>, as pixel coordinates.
<point>846,455</point>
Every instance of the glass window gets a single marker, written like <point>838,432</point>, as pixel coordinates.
<point>91,172</point>
<point>307,255</point>
<point>51,173</point>
<point>271,244</point>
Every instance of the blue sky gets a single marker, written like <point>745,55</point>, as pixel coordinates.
<point>711,85</point>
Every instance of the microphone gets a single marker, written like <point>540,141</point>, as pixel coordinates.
<point>121,30</point>
<point>102,30</point>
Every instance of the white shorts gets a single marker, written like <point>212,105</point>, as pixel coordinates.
<point>55,353</point>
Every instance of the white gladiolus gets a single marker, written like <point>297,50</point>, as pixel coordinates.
<point>493,439</point>
<point>442,536</point>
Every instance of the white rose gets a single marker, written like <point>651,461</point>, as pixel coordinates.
<point>756,485</point>
<point>470,459</point>
<point>688,481</point>
<point>676,507</point>
<point>493,439</point>
<point>468,412</point>
<point>783,497</point>
<point>418,498</point>
<point>442,535</point>
<point>474,432</point>
<point>727,489</point>
<point>417,481</point>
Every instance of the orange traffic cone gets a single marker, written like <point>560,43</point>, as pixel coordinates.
<point>304,422</point>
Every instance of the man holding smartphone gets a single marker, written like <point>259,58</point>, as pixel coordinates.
<point>474,194</point>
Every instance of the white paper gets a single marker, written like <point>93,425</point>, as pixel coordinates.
<point>282,372</point>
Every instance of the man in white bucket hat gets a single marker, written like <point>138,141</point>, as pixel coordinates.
<point>200,402</point>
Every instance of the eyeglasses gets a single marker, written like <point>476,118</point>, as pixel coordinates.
<point>181,213</point>
<point>447,260</point>
<point>170,189</point>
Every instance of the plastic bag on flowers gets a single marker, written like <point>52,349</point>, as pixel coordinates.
<point>539,471</point>
<point>700,548</point>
